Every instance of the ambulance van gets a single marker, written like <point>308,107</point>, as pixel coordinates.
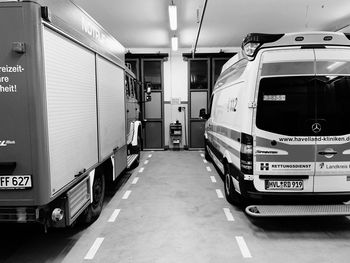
<point>279,124</point>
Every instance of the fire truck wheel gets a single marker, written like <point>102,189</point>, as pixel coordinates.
<point>93,211</point>
<point>137,150</point>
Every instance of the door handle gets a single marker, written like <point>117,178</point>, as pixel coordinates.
<point>327,153</point>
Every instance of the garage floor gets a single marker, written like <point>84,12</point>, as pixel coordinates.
<point>172,209</point>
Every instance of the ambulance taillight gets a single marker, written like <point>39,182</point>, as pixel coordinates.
<point>246,153</point>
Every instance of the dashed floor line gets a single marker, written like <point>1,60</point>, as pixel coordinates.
<point>219,193</point>
<point>135,180</point>
<point>141,169</point>
<point>208,169</point>
<point>213,179</point>
<point>149,156</point>
<point>126,194</point>
<point>146,162</point>
<point>94,248</point>
<point>202,155</point>
<point>205,161</point>
<point>114,215</point>
<point>228,215</point>
<point>243,247</point>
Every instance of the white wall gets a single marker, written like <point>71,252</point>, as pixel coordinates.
<point>176,85</point>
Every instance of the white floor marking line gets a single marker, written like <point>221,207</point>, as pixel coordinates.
<point>243,247</point>
<point>208,169</point>
<point>126,195</point>
<point>219,193</point>
<point>202,155</point>
<point>205,161</point>
<point>212,178</point>
<point>228,214</point>
<point>95,246</point>
<point>141,170</point>
<point>135,180</point>
<point>114,215</point>
<point>146,162</point>
<point>149,156</point>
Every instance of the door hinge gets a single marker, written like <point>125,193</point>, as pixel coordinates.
<point>252,105</point>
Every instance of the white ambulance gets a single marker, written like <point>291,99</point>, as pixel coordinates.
<point>279,126</point>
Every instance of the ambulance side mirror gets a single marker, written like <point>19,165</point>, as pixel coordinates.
<point>148,91</point>
<point>203,115</point>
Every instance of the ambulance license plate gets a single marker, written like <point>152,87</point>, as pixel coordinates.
<point>284,184</point>
<point>15,181</point>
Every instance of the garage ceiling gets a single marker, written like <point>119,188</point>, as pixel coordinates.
<point>145,23</point>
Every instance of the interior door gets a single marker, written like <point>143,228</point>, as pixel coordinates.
<point>152,72</point>
<point>333,111</point>
<point>198,96</point>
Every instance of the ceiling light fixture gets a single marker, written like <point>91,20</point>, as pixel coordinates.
<point>174,43</point>
<point>173,16</point>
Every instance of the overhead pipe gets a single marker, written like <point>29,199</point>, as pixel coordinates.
<point>199,29</point>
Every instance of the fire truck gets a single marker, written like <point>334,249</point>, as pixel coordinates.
<point>69,113</point>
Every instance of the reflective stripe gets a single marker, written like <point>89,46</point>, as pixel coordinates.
<point>217,142</point>
<point>233,145</point>
<point>227,132</point>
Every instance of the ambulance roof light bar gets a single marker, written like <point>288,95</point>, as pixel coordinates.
<point>253,41</point>
<point>318,39</point>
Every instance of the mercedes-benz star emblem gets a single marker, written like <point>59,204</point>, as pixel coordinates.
<point>316,127</point>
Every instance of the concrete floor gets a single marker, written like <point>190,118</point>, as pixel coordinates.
<point>171,209</point>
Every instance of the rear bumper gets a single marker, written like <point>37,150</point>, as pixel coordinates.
<point>19,214</point>
<point>249,192</point>
<point>297,210</point>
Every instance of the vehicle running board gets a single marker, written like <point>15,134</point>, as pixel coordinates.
<point>298,210</point>
<point>131,159</point>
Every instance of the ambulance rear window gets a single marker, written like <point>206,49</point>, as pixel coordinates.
<point>291,105</point>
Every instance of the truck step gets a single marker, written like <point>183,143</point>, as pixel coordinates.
<point>298,210</point>
<point>131,159</point>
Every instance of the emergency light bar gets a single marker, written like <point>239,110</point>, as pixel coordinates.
<point>254,41</point>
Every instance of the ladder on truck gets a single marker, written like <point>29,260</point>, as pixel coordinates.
<point>298,210</point>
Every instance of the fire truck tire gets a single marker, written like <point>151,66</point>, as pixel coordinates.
<point>138,152</point>
<point>93,211</point>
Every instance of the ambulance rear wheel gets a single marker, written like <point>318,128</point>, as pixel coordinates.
<point>229,189</point>
<point>232,196</point>
<point>206,153</point>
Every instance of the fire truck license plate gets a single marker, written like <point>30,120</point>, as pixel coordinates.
<point>284,184</point>
<point>15,181</point>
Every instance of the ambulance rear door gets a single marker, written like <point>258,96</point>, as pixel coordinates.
<point>333,120</point>
<point>284,144</point>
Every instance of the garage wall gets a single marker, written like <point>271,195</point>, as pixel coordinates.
<point>176,85</point>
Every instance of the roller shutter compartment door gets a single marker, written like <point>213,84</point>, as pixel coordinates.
<point>71,108</point>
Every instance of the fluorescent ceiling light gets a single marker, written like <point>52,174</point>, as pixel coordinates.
<point>174,43</point>
<point>173,17</point>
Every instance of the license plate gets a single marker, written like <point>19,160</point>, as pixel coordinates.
<point>15,181</point>
<point>284,184</point>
